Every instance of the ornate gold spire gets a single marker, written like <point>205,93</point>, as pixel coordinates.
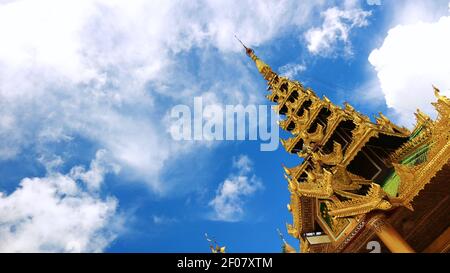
<point>262,67</point>
<point>351,165</point>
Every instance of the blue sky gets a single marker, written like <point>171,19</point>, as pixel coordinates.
<point>87,162</point>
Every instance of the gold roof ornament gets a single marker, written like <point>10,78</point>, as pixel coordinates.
<point>319,186</point>
<point>374,199</point>
<point>214,246</point>
<point>437,94</point>
<point>287,248</point>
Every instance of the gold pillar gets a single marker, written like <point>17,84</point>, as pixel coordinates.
<point>390,237</point>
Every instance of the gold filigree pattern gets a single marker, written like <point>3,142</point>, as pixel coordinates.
<point>333,158</point>
<point>374,199</point>
<point>318,185</point>
<point>313,137</point>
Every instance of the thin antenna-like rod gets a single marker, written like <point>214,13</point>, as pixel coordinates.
<point>240,41</point>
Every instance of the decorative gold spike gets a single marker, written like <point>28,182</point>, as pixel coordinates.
<point>311,176</point>
<point>348,107</point>
<point>292,230</point>
<point>287,248</point>
<point>286,170</point>
<point>436,91</point>
<point>409,206</point>
<point>422,116</point>
<point>214,246</point>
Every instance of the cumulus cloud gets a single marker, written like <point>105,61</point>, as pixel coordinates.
<point>291,70</point>
<point>96,70</point>
<point>336,27</point>
<point>108,72</point>
<point>93,178</point>
<point>58,213</point>
<point>228,204</point>
<point>411,59</point>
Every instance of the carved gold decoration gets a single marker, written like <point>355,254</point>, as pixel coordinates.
<point>333,121</point>
<point>387,126</point>
<point>300,121</point>
<point>346,181</point>
<point>318,184</point>
<point>414,178</point>
<point>313,137</point>
<point>290,143</point>
<point>333,158</point>
<point>364,204</point>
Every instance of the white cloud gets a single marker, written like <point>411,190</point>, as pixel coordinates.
<point>56,214</point>
<point>162,220</point>
<point>373,2</point>
<point>336,27</point>
<point>291,70</point>
<point>93,178</point>
<point>411,59</point>
<point>408,12</point>
<point>228,204</point>
<point>92,69</point>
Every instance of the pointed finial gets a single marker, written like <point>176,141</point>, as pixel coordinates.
<point>441,98</point>
<point>436,90</point>
<point>383,117</point>
<point>240,41</point>
<point>348,107</point>
<point>421,116</point>
<point>262,67</point>
<point>310,176</point>
<point>286,170</point>
<point>287,248</point>
<point>248,50</point>
<point>214,246</point>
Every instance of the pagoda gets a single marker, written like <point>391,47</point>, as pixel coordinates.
<point>361,180</point>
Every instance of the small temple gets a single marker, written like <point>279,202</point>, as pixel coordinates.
<point>362,181</point>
